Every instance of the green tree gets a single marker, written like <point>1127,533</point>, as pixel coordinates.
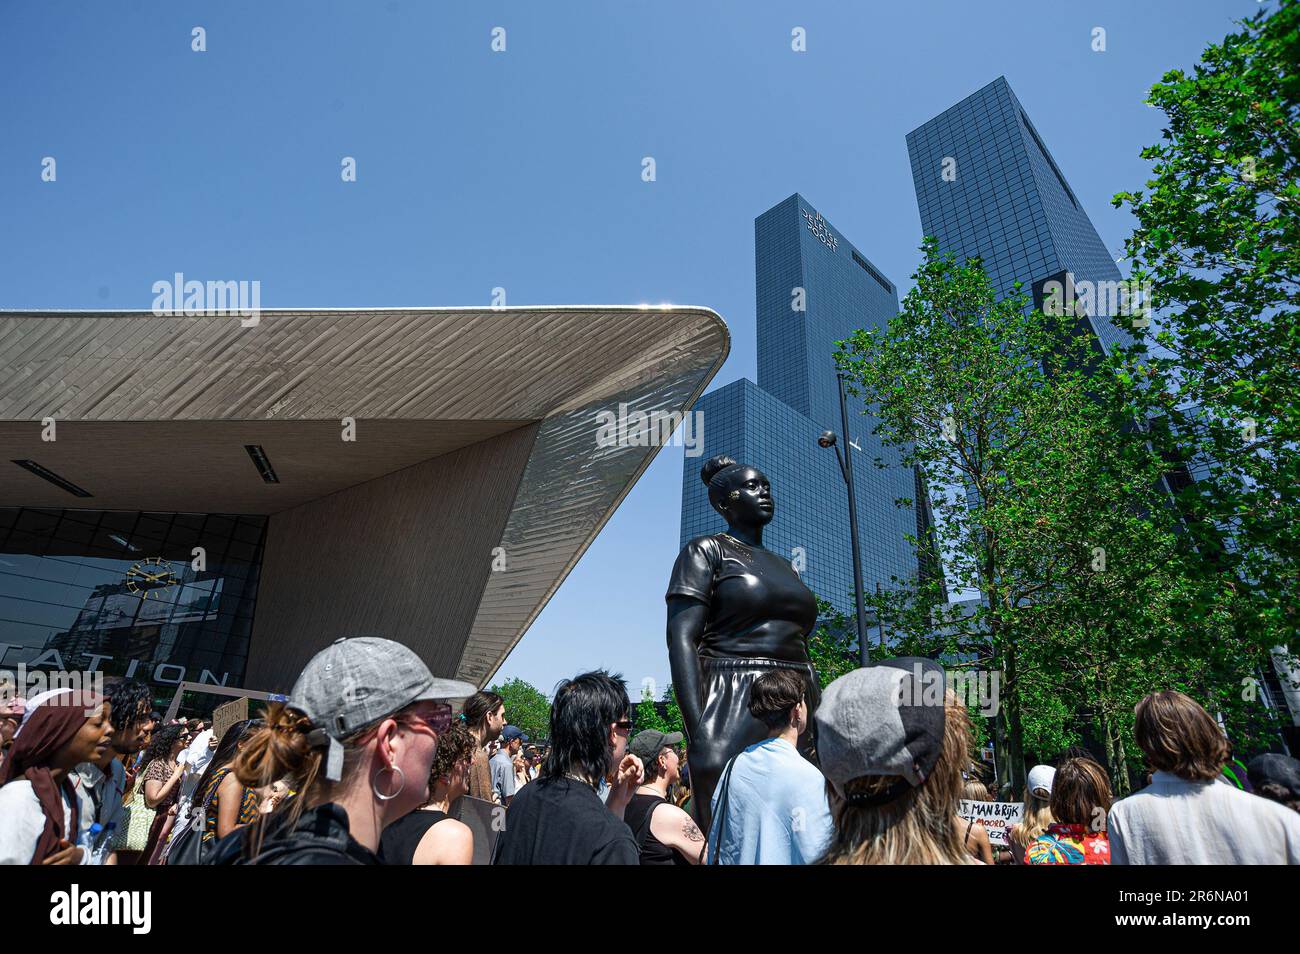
<point>1218,241</point>
<point>673,712</point>
<point>526,707</point>
<point>665,716</point>
<point>963,382</point>
<point>647,715</point>
<point>833,645</point>
<point>1062,523</point>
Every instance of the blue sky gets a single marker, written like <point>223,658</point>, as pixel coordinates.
<point>522,169</point>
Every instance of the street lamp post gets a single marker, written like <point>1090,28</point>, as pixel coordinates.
<point>846,468</point>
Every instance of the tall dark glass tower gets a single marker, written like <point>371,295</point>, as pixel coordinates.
<point>987,186</point>
<point>813,289</point>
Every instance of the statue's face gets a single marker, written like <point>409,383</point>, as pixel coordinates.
<point>747,498</point>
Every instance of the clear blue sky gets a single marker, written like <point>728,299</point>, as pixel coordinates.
<point>522,169</point>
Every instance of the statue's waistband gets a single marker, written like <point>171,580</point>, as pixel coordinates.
<point>752,662</point>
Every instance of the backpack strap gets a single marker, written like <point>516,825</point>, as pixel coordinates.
<point>720,816</point>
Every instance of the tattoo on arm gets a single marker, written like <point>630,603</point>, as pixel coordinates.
<point>691,831</point>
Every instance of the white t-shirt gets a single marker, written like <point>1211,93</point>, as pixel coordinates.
<point>22,821</point>
<point>196,758</point>
<point>1176,822</point>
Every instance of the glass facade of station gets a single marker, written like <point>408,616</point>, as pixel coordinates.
<point>158,597</point>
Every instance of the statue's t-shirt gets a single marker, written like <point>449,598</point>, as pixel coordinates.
<point>757,604</point>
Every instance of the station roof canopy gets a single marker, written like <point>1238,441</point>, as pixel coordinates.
<point>159,413</point>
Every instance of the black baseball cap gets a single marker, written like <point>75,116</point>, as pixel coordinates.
<point>648,743</point>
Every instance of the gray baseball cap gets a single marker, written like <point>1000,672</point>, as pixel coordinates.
<point>355,682</point>
<point>882,719</point>
<point>648,743</point>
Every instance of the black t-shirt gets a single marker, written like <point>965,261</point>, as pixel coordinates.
<point>400,839</point>
<point>563,822</point>
<point>757,604</point>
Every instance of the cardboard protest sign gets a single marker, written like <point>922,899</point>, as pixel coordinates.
<point>997,817</point>
<point>227,714</point>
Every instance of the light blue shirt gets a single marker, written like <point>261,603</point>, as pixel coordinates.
<point>503,775</point>
<point>776,810</point>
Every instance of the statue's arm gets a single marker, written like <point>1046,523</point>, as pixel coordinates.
<point>686,619</point>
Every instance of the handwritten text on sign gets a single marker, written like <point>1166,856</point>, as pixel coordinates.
<point>997,817</point>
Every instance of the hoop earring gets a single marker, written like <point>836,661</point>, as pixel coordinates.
<point>400,785</point>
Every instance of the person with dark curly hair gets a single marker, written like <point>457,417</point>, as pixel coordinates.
<point>101,786</point>
<point>161,779</point>
<point>429,835</point>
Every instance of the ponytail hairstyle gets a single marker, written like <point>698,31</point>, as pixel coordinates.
<point>479,706</point>
<point>288,745</point>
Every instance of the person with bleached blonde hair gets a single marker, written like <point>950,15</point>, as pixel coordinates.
<point>893,743</point>
<point>1037,814</point>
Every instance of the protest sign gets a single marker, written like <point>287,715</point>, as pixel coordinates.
<point>236,710</point>
<point>996,817</point>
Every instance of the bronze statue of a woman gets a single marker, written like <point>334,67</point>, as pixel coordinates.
<point>735,611</point>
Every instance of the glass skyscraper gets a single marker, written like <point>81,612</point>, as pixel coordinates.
<point>987,186</point>
<point>813,289</point>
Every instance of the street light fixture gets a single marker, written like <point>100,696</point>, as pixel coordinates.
<point>846,469</point>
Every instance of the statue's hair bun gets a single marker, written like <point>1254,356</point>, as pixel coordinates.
<point>713,465</point>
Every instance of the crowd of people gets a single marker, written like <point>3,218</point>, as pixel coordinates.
<point>366,764</point>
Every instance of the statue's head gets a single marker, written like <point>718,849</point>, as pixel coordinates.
<point>740,493</point>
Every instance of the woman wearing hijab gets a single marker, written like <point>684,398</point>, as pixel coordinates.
<point>38,804</point>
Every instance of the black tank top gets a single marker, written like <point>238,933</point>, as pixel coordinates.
<point>637,817</point>
<point>400,839</point>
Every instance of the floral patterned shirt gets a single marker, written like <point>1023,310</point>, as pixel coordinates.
<point>1065,844</point>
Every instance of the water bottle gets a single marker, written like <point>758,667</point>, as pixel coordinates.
<point>87,843</point>
<point>101,845</point>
